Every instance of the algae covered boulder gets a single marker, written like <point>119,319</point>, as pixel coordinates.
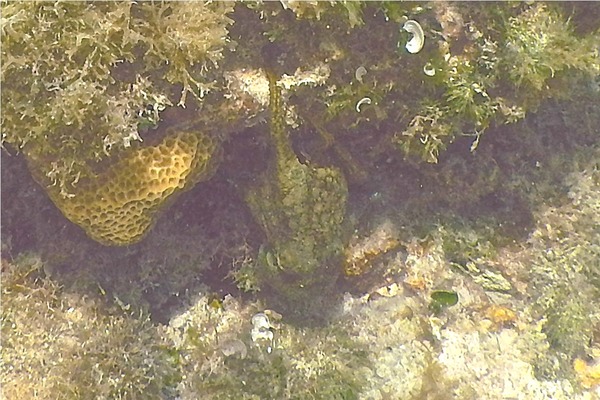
<point>83,83</point>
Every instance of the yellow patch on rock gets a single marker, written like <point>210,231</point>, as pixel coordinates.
<point>588,374</point>
<point>119,206</point>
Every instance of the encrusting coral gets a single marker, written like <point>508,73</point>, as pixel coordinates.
<point>118,206</point>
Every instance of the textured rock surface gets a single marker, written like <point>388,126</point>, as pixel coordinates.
<point>505,215</point>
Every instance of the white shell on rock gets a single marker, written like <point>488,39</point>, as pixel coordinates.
<point>364,100</point>
<point>415,44</point>
<point>261,328</point>
<point>360,72</point>
<point>261,321</point>
<point>429,69</point>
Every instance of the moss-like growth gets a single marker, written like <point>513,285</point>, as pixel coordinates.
<point>540,45</point>
<point>79,79</point>
<point>62,345</point>
<point>565,275</point>
<point>505,70</point>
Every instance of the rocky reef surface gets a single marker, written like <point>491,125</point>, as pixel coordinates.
<point>300,200</point>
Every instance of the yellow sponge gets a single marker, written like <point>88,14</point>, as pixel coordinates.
<point>120,205</point>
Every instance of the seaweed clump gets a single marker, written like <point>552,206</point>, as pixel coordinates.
<point>57,344</point>
<point>494,74</point>
<point>81,80</point>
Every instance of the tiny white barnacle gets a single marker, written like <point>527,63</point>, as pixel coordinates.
<point>364,100</point>
<point>415,44</point>
<point>360,72</point>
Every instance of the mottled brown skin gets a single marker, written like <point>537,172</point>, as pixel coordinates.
<point>301,208</point>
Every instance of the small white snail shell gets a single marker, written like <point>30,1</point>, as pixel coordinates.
<point>415,44</point>
<point>364,100</point>
<point>429,69</point>
<point>360,72</point>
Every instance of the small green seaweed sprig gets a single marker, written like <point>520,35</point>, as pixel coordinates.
<point>541,44</point>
